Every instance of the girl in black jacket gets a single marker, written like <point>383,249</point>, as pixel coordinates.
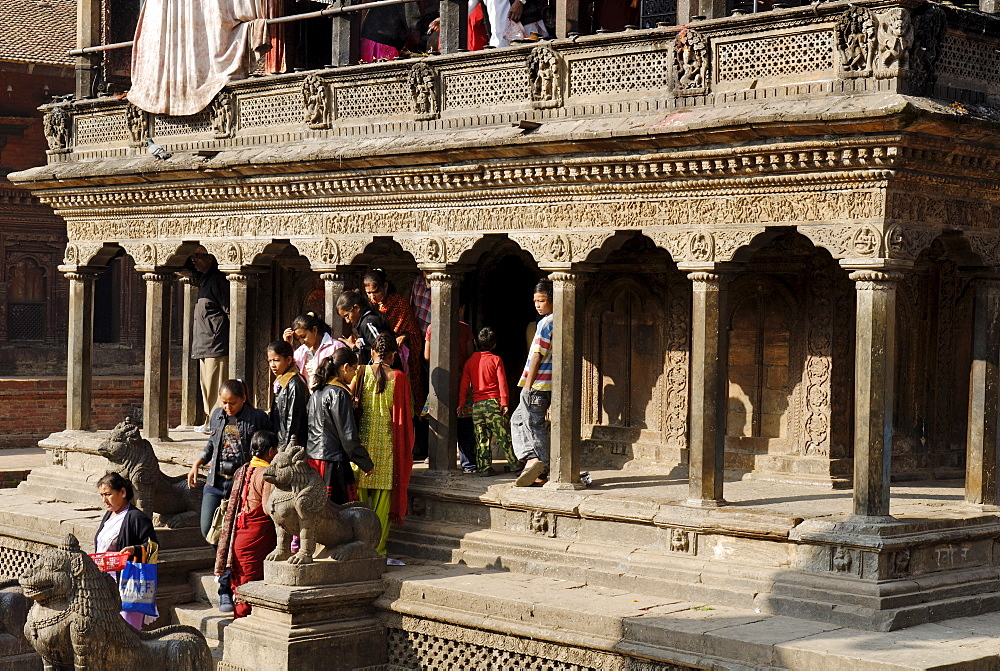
<point>334,441</point>
<point>124,528</point>
<point>288,410</point>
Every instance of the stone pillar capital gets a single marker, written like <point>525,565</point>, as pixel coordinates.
<point>334,276</point>
<point>875,280</point>
<point>242,276</point>
<point>158,277</point>
<point>81,275</point>
<point>567,276</point>
<point>444,277</point>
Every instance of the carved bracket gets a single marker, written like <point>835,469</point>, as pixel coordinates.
<point>138,125</point>
<point>561,247</point>
<point>702,245</point>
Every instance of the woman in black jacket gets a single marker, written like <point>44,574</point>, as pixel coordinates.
<point>288,409</point>
<point>334,441</point>
<point>124,528</point>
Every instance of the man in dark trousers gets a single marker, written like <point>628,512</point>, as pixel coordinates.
<point>210,337</point>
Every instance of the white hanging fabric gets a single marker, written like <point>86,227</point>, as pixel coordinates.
<point>186,50</point>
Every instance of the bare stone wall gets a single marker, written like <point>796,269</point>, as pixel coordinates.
<point>36,407</point>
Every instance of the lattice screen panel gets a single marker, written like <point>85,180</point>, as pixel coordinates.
<point>970,60</point>
<point>487,88</point>
<point>621,72</point>
<point>101,129</point>
<point>25,321</point>
<point>182,125</point>
<point>411,650</point>
<point>778,56</point>
<point>372,100</point>
<point>276,110</point>
<point>17,556</point>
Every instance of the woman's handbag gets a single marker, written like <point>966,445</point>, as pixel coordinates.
<point>137,584</point>
<point>218,517</point>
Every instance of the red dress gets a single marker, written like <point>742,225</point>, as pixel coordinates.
<point>400,317</point>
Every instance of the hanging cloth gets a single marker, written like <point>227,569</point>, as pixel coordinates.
<point>186,50</point>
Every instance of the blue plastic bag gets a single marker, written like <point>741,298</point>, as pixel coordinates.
<point>138,588</point>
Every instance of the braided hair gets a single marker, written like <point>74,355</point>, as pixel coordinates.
<point>384,345</point>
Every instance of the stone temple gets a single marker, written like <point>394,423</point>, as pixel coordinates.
<point>774,240</point>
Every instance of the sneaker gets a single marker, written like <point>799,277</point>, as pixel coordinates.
<point>530,474</point>
<point>225,603</point>
<point>394,562</point>
<point>204,428</point>
<point>486,473</point>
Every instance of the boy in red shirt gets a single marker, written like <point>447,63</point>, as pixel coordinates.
<point>490,408</point>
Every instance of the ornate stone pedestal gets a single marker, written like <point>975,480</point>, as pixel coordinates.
<point>316,616</point>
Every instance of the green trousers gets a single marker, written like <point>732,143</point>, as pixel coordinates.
<point>380,501</point>
<point>490,424</point>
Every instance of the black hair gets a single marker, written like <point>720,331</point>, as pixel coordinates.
<point>384,345</point>
<point>310,321</point>
<point>330,365</point>
<point>487,339</point>
<point>235,387</point>
<point>377,277</point>
<point>281,348</point>
<point>349,299</point>
<point>544,287</point>
<point>263,442</point>
<point>116,482</point>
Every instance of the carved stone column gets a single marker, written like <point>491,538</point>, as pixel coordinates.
<point>88,34</point>
<point>444,372</point>
<point>709,388</point>
<point>334,284</point>
<point>567,17</point>
<point>874,378</point>
<point>240,357</point>
<point>156,382</point>
<point>79,360</point>
<point>192,410</point>
<point>345,37</point>
<point>567,379</point>
<point>983,438</point>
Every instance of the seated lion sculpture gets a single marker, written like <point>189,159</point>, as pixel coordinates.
<point>299,506</point>
<point>75,622</point>
<point>168,497</point>
<point>14,608</point>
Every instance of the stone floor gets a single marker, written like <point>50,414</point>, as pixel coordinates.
<point>16,463</point>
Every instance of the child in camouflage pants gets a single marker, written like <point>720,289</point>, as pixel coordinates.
<point>484,374</point>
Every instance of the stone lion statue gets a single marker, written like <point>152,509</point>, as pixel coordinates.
<point>300,507</point>
<point>168,497</point>
<point>14,608</point>
<point>75,622</point>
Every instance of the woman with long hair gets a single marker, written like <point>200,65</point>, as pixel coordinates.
<point>409,336</point>
<point>387,431</point>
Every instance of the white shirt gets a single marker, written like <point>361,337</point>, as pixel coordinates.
<point>110,530</point>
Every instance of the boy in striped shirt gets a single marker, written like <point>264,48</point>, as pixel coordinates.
<point>529,429</point>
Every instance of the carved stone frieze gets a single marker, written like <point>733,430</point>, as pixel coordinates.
<point>321,253</point>
<point>316,102</point>
<point>80,253</point>
<point>936,210</point>
<point>895,39</point>
<point>545,72</point>
<point>426,249</point>
<point>928,34</point>
<point>848,241</point>
<point>424,91</point>
<point>56,125</point>
<point>137,121</point>
<point>352,247</point>
<point>568,247</point>
<point>986,245</point>
<point>149,254</point>
<point>691,63</point>
<point>905,242</point>
<point>855,30</point>
<point>223,113</point>
<point>818,370</point>
<point>702,245</point>
<point>235,254</point>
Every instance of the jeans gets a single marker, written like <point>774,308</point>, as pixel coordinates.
<point>211,497</point>
<point>467,444</point>
<point>528,428</point>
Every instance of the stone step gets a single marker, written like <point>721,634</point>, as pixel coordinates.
<point>204,588</point>
<point>205,618</point>
<point>467,605</point>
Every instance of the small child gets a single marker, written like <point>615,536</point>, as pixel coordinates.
<point>490,404</point>
<point>288,410</point>
<point>334,440</point>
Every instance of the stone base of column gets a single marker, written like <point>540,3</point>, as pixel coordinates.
<point>705,503</point>
<point>324,620</point>
<point>563,486</point>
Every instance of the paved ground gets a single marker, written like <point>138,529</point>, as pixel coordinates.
<point>15,464</point>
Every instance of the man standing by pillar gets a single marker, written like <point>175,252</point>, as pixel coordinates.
<point>528,425</point>
<point>210,340</point>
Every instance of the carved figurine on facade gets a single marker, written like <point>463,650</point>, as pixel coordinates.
<point>424,91</point>
<point>895,38</point>
<point>75,623</point>
<point>56,125</point>
<point>299,506</point>
<point>928,34</point>
<point>138,125</point>
<point>315,102</point>
<point>856,41</point>
<point>223,113</point>
<point>169,498</point>
<point>544,76</point>
<point>691,62</point>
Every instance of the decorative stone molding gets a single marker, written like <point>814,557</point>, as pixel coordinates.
<point>895,40</point>
<point>545,74</point>
<point>691,63</point>
<point>568,247</point>
<point>223,113</point>
<point>875,280</point>
<point>904,242</point>
<point>317,102</point>
<point>321,253</point>
<point>56,125</point>
<point>702,245</point>
<point>149,254</point>
<point>430,249</point>
<point>352,247</point>
<point>850,241</point>
<point>986,245</point>
<point>424,91</point>
<point>80,254</point>
<point>138,125</point>
<point>233,255</point>
<point>855,30</point>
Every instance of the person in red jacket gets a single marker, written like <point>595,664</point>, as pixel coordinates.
<point>484,374</point>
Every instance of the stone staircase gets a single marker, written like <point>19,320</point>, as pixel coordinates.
<point>203,613</point>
